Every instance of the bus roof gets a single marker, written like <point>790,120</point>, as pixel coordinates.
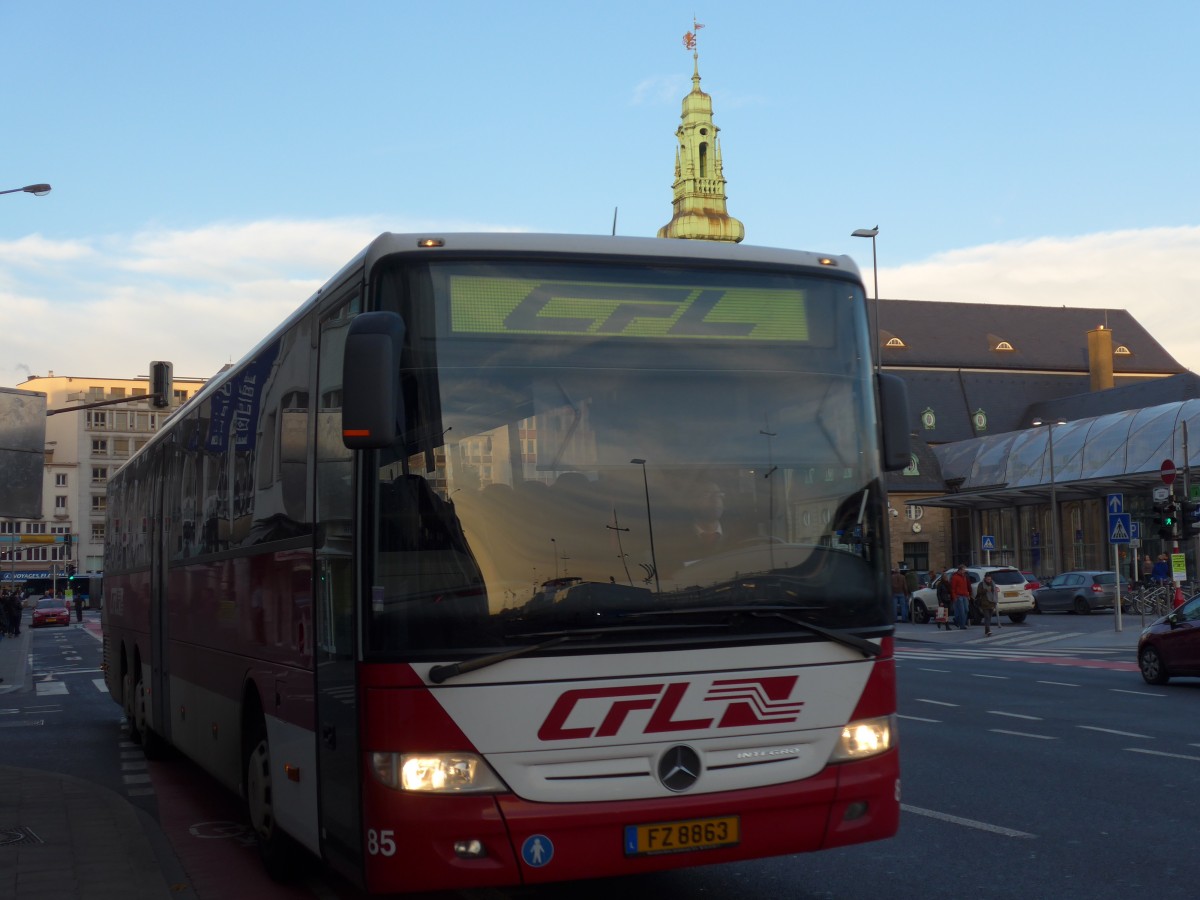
<point>665,249</point>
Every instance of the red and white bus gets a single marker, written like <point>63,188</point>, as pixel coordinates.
<point>515,558</point>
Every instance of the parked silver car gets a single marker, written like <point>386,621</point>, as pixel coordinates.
<point>1079,592</point>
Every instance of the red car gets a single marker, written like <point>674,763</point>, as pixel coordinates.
<point>1171,646</point>
<point>51,612</point>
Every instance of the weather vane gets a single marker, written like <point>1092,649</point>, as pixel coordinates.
<point>689,39</point>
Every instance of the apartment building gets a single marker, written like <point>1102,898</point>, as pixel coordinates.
<point>84,447</point>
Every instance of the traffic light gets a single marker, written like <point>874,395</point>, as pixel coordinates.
<point>70,570</point>
<point>1165,519</point>
<point>1189,518</point>
<point>161,384</point>
<point>1159,526</point>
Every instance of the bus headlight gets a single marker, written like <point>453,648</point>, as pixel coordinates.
<point>867,737</point>
<point>444,773</point>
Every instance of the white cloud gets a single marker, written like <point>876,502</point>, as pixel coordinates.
<point>111,304</point>
<point>34,250</point>
<point>1152,273</point>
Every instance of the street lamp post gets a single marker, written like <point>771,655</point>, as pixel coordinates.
<point>38,190</point>
<point>649,523</point>
<point>871,233</point>
<point>1056,555</point>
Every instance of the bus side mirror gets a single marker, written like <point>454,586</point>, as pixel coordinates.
<point>372,403</point>
<point>893,409</point>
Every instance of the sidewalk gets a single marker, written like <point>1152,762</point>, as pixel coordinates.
<point>64,838</point>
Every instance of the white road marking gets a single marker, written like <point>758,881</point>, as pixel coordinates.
<point>969,823</point>
<point>1059,683</point>
<point>1134,734</point>
<point>994,677</point>
<point>1040,737</point>
<point>1011,715</point>
<point>51,687</point>
<point>1161,753</point>
<point>941,671</point>
<point>100,685</point>
<point>919,719</point>
<point>936,702</point>
<point>1033,642</point>
<point>1136,693</point>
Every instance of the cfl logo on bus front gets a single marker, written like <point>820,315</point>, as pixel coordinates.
<point>605,712</point>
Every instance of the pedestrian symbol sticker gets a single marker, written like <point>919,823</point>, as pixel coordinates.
<point>537,850</point>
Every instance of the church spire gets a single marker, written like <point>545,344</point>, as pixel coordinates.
<point>699,205</point>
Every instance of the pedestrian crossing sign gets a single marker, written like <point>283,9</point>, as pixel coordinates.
<point>1120,529</point>
<point>989,542</point>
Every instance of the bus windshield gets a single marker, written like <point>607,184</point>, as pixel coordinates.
<point>591,447</point>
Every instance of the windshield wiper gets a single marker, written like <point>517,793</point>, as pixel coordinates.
<point>853,641</point>
<point>439,674</point>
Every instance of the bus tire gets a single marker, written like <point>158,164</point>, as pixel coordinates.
<point>276,849</point>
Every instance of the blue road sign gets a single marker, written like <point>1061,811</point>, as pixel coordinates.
<point>1116,504</point>
<point>1119,530</point>
<point>989,542</point>
<point>1135,531</point>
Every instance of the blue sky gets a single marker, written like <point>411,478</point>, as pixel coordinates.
<point>213,163</point>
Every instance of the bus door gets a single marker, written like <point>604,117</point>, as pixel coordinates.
<point>158,714</point>
<point>335,611</point>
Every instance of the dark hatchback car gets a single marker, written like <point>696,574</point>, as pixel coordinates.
<point>1171,646</point>
<point>1079,592</point>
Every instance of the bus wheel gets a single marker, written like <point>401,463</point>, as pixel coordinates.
<point>276,848</point>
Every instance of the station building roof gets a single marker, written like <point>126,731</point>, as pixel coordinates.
<point>1115,452</point>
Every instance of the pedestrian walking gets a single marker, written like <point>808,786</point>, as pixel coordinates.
<point>985,597</point>
<point>12,610</point>
<point>78,606</point>
<point>945,601</point>
<point>1147,570</point>
<point>899,595</point>
<point>960,590</point>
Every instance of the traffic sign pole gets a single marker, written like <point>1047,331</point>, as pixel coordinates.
<point>1120,531</point>
<point>1117,624</point>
